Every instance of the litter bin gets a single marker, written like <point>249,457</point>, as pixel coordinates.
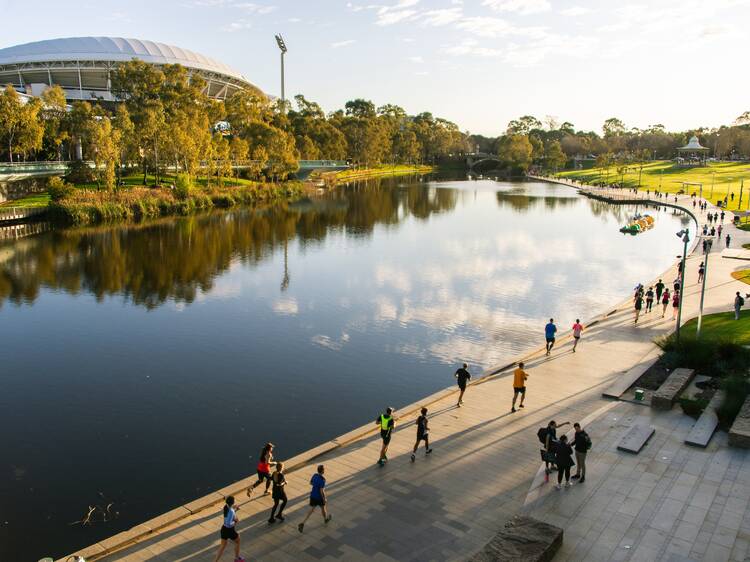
<point>638,394</point>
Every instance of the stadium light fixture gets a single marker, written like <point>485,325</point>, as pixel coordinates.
<point>282,47</point>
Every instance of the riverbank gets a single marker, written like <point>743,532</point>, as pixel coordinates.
<point>379,171</point>
<point>472,447</point>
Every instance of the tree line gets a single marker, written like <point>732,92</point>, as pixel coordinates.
<point>165,121</point>
<point>551,145</point>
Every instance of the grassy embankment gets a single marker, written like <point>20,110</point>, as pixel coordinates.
<point>385,170</point>
<point>87,205</point>
<point>722,327</point>
<point>33,201</point>
<point>725,176</point>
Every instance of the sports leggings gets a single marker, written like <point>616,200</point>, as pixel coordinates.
<point>276,504</point>
<point>560,471</point>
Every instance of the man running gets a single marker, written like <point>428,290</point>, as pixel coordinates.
<point>519,386</point>
<point>423,434</point>
<point>386,423</point>
<point>659,290</point>
<point>462,377</point>
<point>317,497</point>
<point>549,334</point>
<point>577,329</point>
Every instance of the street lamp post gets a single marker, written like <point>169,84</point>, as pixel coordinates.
<point>709,243</point>
<point>282,47</point>
<point>713,179</point>
<point>685,235</point>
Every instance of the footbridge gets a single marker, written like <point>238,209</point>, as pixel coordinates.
<point>477,158</point>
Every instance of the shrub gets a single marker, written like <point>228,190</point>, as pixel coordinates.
<point>708,357</point>
<point>736,389</point>
<point>58,189</point>
<point>183,186</point>
<point>693,407</point>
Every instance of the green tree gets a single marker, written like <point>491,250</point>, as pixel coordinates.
<point>515,151</point>
<point>54,113</point>
<point>554,155</point>
<point>21,130</point>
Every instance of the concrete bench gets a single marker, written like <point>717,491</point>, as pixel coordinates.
<point>707,423</point>
<point>522,539</point>
<point>739,434</point>
<point>670,389</point>
<point>635,439</point>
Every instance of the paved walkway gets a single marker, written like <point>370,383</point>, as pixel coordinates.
<point>448,505</point>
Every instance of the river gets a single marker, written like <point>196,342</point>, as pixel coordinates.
<point>144,366</point>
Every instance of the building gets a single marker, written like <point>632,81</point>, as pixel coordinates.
<point>82,66</point>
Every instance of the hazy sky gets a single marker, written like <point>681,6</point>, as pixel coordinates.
<point>480,63</point>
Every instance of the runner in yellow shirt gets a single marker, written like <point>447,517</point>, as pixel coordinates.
<point>519,385</point>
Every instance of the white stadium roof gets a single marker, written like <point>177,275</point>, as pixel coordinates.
<point>28,63</point>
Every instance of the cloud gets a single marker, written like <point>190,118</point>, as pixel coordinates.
<point>391,17</point>
<point>286,307</point>
<point>442,17</point>
<point>339,44</point>
<point>523,7</point>
<point>575,11</point>
<point>237,25</point>
<point>253,8</point>
<point>422,73</point>
<point>416,60</point>
<point>471,47</point>
<point>330,343</point>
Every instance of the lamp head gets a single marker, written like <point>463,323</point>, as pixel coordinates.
<point>280,42</point>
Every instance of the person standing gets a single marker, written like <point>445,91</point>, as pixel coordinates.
<point>638,305</point>
<point>739,302</point>
<point>265,462</point>
<point>577,329</point>
<point>722,213</point>
<point>718,232</point>
<point>549,334</point>
<point>317,497</point>
<point>278,493</point>
<point>659,290</point>
<point>675,304</point>
<point>228,531</point>
<point>564,460</point>
<point>519,386</point>
<point>701,269</point>
<point>581,444</point>
<point>649,299</point>
<point>550,442</point>
<point>423,434</point>
<point>462,377</point>
<point>729,239</point>
<point>664,302</point>
<point>386,423</point>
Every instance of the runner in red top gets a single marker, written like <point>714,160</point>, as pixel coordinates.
<point>264,469</point>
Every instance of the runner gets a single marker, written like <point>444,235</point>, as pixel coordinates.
<point>729,239</point>
<point>638,306</point>
<point>701,270</point>
<point>649,299</point>
<point>228,531</point>
<point>659,290</point>
<point>577,329</point>
<point>675,304</point>
<point>549,334</point>
<point>386,423</point>
<point>423,434</point>
<point>317,497</point>
<point>278,493</point>
<point>664,302</point>
<point>265,462</point>
<point>462,376</point>
<point>519,386</point>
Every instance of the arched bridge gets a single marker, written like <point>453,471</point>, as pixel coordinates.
<point>476,158</point>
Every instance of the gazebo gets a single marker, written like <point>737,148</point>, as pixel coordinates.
<point>692,154</point>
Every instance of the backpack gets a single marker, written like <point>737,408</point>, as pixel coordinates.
<point>588,442</point>
<point>742,301</point>
<point>542,435</point>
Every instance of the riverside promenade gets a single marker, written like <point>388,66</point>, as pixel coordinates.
<point>485,466</point>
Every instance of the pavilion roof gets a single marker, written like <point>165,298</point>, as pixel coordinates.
<point>693,144</point>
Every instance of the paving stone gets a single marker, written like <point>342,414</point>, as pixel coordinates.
<point>522,538</point>
<point>635,439</point>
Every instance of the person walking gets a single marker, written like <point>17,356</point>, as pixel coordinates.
<point>462,377</point>
<point>665,302</point>
<point>718,231</point>
<point>649,299</point>
<point>386,423</point>
<point>519,386</point>
<point>739,302</point>
<point>228,531</point>
<point>581,444</point>
<point>729,239</point>
<point>701,270</point>
<point>564,460</point>
<point>577,329</point>
<point>713,231</point>
<point>423,434</point>
<point>677,282</point>
<point>722,213</point>
<point>317,497</point>
<point>278,493</point>
<point>638,306</point>
<point>549,334</point>
<point>675,304</point>
<point>659,290</point>
<point>265,462</point>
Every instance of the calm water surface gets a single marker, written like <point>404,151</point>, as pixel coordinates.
<point>147,365</point>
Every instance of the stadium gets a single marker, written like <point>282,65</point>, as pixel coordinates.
<point>82,66</point>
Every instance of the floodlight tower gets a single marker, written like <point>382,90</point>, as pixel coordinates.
<point>283,49</point>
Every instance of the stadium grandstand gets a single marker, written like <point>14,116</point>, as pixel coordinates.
<point>82,66</point>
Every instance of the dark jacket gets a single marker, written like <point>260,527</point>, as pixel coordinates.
<point>579,442</point>
<point>564,455</point>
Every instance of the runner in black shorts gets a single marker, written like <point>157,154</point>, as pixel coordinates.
<point>462,376</point>
<point>423,434</point>
<point>386,423</point>
<point>228,531</point>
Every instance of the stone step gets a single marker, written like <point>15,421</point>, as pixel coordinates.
<point>670,389</point>
<point>739,434</point>
<point>635,439</point>
<point>522,538</point>
<point>707,423</point>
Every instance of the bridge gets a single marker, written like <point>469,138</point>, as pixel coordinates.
<point>16,171</point>
<point>476,158</point>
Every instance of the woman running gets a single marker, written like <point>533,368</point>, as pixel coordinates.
<point>664,302</point>
<point>264,469</point>
<point>228,531</point>
<point>675,304</point>
<point>278,493</point>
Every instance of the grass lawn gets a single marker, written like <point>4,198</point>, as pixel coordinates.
<point>382,171</point>
<point>722,326</point>
<point>725,176</point>
<point>742,275</point>
<point>136,180</point>
<point>32,201</point>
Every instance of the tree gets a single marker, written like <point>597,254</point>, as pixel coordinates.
<point>523,125</point>
<point>20,128</point>
<point>554,155</point>
<point>54,112</point>
<point>613,127</point>
<point>238,149</point>
<point>515,151</point>
<point>105,149</point>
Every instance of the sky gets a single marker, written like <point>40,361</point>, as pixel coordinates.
<point>478,63</point>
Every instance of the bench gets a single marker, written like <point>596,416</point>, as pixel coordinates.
<point>522,538</point>
<point>635,439</point>
<point>739,434</point>
<point>707,423</point>
<point>670,389</point>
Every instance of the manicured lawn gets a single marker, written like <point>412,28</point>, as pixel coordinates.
<point>35,200</point>
<point>742,275</point>
<point>382,170</point>
<point>725,176</point>
<point>722,326</point>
